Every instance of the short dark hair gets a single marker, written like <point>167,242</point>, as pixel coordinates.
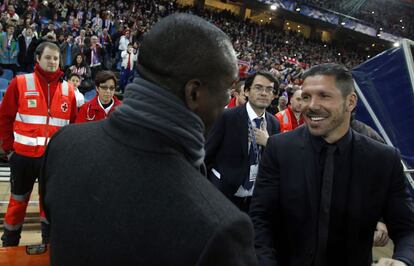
<point>42,46</point>
<point>74,75</point>
<point>103,76</point>
<point>182,47</point>
<point>343,77</point>
<point>267,75</point>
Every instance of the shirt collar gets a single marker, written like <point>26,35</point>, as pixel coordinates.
<point>342,144</point>
<point>252,114</point>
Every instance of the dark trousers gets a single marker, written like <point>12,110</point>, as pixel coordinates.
<point>125,78</point>
<point>94,70</point>
<point>24,172</point>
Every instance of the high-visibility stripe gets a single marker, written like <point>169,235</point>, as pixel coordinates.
<point>31,119</point>
<point>21,197</point>
<point>41,120</point>
<point>285,117</point>
<point>39,141</point>
<point>53,121</point>
<point>30,83</point>
<point>12,227</point>
<point>65,88</point>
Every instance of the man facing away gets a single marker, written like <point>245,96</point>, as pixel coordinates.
<point>143,200</point>
<point>323,187</point>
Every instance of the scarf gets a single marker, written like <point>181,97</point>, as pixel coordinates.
<point>49,76</point>
<point>150,106</point>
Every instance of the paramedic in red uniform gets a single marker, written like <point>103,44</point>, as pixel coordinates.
<point>34,107</point>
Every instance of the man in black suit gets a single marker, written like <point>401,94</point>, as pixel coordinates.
<point>235,144</point>
<point>128,190</point>
<point>322,188</point>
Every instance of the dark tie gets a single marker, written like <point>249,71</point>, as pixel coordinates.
<point>253,154</point>
<point>325,206</point>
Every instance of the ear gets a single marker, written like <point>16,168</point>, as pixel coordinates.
<point>247,93</point>
<point>192,93</point>
<point>37,59</point>
<point>352,100</point>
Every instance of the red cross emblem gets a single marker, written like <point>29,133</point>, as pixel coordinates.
<point>64,107</point>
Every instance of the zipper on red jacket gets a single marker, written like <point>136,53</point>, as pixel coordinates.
<point>48,113</point>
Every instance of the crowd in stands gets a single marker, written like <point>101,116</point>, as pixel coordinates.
<point>93,34</point>
<point>395,17</point>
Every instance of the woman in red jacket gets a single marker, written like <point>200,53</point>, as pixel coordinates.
<point>104,102</point>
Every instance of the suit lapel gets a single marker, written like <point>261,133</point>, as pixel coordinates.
<point>242,125</point>
<point>307,152</point>
<point>269,124</point>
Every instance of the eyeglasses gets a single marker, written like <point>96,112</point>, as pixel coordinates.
<point>260,88</point>
<point>105,88</point>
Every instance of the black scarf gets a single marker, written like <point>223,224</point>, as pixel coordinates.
<point>153,107</point>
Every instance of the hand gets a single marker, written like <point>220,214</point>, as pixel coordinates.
<point>389,262</point>
<point>261,136</point>
<point>381,235</point>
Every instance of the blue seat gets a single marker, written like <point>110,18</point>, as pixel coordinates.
<point>4,83</point>
<point>7,74</point>
<point>89,95</point>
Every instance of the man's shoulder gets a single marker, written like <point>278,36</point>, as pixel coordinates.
<point>234,111</point>
<point>82,133</point>
<point>372,146</point>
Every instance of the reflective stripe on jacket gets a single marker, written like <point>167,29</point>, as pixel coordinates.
<point>285,120</point>
<point>38,117</point>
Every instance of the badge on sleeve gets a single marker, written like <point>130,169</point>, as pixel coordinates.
<point>31,103</point>
<point>64,107</point>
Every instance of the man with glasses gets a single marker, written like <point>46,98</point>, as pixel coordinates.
<point>104,102</point>
<point>238,138</point>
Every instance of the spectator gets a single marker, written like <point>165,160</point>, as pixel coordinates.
<point>27,46</point>
<point>80,67</point>
<point>9,50</point>
<point>75,80</point>
<point>69,50</point>
<point>129,59</point>
<point>94,56</point>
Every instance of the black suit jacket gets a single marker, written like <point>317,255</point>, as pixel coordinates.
<point>120,194</point>
<point>26,56</point>
<point>227,148</point>
<point>284,210</point>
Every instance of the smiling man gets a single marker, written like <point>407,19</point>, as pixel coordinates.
<point>322,187</point>
<point>34,108</point>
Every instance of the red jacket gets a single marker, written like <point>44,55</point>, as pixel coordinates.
<point>10,104</point>
<point>232,103</point>
<point>92,110</point>
<point>288,120</point>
